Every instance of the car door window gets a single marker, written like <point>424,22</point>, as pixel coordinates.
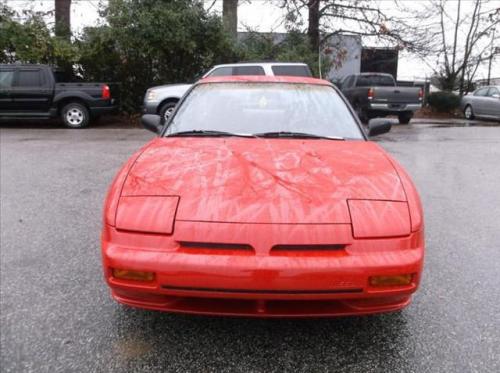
<point>493,91</point>
<point>6,79</point>
<point>481,92</point>
<point>29,78</point>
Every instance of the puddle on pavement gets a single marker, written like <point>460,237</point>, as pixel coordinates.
<point>466,124</point>
<point>132,348</point>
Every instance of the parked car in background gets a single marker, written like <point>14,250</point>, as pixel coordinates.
<point>377,95</point>
<point>484,102</point>
<point>261,197</point>
<point>31,91</point>
<point>162,99</point>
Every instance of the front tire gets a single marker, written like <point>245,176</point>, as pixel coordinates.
<point>468,112</point>
<point>404,118</point>
<point>167,109</point>
<point>361,113</point>
<point>75,115</point>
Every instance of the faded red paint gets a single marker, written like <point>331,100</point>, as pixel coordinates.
<point>386,218</point>
<point>265,79</point>
<point>263,227</point>
<point>133,214</point>
<point>294,181</point>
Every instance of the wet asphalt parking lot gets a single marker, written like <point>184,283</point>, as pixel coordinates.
<point>57,316</point>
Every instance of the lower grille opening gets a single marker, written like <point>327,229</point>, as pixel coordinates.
<point>309,247</point>
<point>264,291</point>
<point>321,247</point>
<point>213,247</point>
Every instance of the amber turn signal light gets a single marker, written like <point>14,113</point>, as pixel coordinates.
<point>397,280</point>
<point>127,274</point>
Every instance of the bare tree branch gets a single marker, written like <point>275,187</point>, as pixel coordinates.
<point>211,6</point>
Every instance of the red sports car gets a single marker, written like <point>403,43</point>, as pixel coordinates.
<point>262,197</point>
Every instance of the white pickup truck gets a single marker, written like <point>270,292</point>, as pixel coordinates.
<point>162,99</point>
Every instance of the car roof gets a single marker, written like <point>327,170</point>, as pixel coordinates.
<point>261,63</point>
<point>487,86</point>
<point>264,79</point>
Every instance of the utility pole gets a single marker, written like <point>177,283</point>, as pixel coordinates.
<point>492,52</point>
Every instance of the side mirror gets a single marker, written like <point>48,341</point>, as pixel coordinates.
<point>152,122</point>
<point>496,95</point>
<point>378,126</point>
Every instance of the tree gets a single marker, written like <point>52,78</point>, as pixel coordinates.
<point>32,41</point>
<point>63,18</point>
<point>313,23</point>
<point>151,42</point>
<point>294,46</point>
<point>230,17</point>
<point>473,34</point>
<point>353,17</point>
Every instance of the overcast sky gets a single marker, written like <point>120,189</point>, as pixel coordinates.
<point>260,15</point>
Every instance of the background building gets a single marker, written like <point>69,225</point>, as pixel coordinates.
<point>347,54</point>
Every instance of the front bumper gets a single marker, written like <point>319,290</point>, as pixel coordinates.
<point>232,282</point>
<point>150,107</point>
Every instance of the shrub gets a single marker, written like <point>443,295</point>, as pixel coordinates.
<point>31,41</point>
<point>443,102</point>
<point>147,43</point>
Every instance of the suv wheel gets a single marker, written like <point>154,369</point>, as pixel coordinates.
<point>75,115</point>
<point>167,109</point>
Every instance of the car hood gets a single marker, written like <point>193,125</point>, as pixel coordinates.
<point>245,180</point>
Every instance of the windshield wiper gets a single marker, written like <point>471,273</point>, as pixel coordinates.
<point>300,135</point>
<point>208,133</point>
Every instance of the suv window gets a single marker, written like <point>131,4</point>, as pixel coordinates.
<point>6,78</point>
<point>292,70</point>
<point>248,70</point>
<point>222,71</point>
<point>29,78</point>
<point>375,80</point>
<point>237,70</point>
<point>481,92</point>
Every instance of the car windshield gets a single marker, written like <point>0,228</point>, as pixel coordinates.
<point>263,108</point>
